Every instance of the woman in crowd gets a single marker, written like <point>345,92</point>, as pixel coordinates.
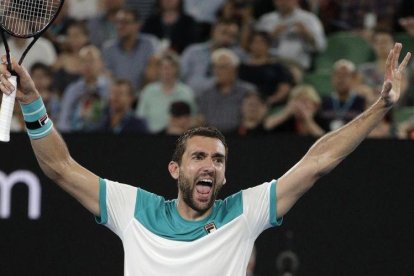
<point>299,116</point>
<point>155,99</point>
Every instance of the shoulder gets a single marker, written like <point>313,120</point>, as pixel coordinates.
<point>148,40</point>
<point>151,88</point>
<point>149,200</point>
<point>109,45</point>
<point>196,48</point>
<point>270,16</point>
<point>184,88</point>
<point>45,43</point>
<point>306,15</point>
<point>246,86</point>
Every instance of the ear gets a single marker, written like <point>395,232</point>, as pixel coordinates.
<point>224,181</point>
<point>174,169</point>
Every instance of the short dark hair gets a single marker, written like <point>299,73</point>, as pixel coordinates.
<point>181,143</point>
<point>41,66</point>
<point>266,37</point>
<point>136,15</point>
<point>179,109</point>
<point>127,83</point>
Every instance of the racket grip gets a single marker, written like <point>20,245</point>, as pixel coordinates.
<point>6,112</point>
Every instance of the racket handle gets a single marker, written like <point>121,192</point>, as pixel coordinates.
<point>6,112</point>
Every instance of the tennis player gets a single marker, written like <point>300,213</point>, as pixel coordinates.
<point>194,234</point>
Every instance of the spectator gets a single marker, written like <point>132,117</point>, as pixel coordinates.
<point>344,104</point>
<point>119,117</point>
<point>42,76</point>
<point>196,59</point>
<point>57,30</point>
<point>297,34</point>
<point>204,13</point>
<point>127,56</point>
<point>273,79</point>
<point>253,111</point>
<point>372,73</point>
<point>180,119</point>
<point>171,25</point>
<point>83,100</point>
<point>156,98</point>
<point>102,27</point>
<point>299,115</point>
<point>221,100</point>
<point>241,11</point>
<point>68,64</point>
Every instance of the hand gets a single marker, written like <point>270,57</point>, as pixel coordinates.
<point>26,90</point>
<point>278,30</point>
<point>393,74</point>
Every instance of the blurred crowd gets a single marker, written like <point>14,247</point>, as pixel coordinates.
<point>160,67</point>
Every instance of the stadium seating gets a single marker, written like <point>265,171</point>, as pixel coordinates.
<point>345,45</point>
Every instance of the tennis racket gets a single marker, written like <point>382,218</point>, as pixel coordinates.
<point>22,19</point>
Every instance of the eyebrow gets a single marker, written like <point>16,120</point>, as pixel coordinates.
<point>219,155</point>
<point>215,155</point>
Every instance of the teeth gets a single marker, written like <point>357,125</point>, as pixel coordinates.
<point>206,181</point>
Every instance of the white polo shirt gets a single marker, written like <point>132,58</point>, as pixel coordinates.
<point>158,241</point>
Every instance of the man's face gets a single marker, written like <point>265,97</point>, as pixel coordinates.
<point>201,173</point>
<point>342,80</point>
<point>225,34</point>
<point>91,64</point>
<point>224,71</point>
<point>120,98</point>
<point>126,25</point>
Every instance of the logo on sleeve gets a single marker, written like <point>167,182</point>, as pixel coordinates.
<point>210,227</point>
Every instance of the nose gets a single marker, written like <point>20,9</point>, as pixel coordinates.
<point>208,166</point>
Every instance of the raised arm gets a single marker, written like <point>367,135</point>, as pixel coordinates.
<point>50,150</point>
<point>333,147</point>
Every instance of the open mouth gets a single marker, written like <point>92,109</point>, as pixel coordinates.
<point>204,186</point>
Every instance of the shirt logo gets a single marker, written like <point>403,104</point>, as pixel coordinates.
<point>210,227</point>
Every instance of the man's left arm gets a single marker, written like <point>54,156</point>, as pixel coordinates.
<point>334,147</point>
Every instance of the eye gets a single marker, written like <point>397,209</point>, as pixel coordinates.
<point>219,160</point>
<point>197,156</point>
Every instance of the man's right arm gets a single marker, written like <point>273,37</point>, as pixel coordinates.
<point>54,159</point>
<point>51,151</point>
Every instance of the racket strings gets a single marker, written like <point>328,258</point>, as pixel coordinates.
<point>27,17</point>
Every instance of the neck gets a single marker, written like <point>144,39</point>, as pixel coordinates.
<point>381,64</point>
<point>168,85</point>
<point>91,80</point>
<point>174,130</point>
<point>116,117</point>
<point>259,59</point>
<point>170,16</point>
<point>225,87</point>
<point>189,213</point>
<point>128,43</point>
<point>286,13</point>
<point>343,96</point>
